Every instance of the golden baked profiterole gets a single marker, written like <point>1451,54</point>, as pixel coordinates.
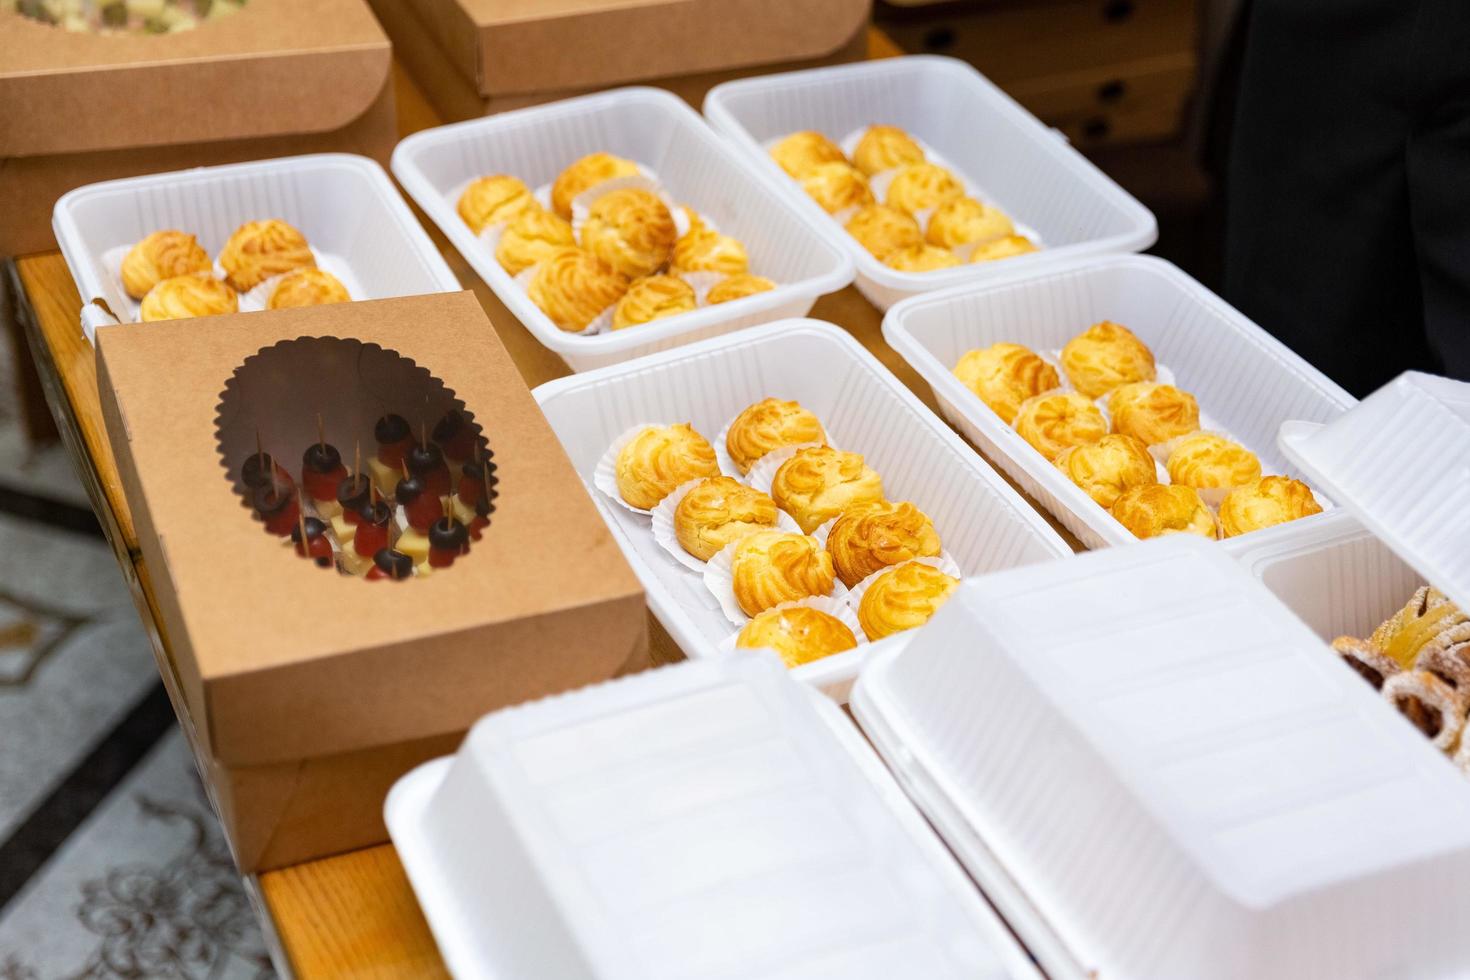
<point>630,230</point>
<point>1005,375</point>
<point>1205,460</point>
<point>881,229</point>
<point>1057,420</point>
<point>1153,413</point>
<point>1106,356</point>
<point>585,174</point>
<point>903,598</point>
<point>571,286</point>
<point>1106,469</point>
<point>869,537</point>
<point>738,286</point>
<point>837,186</point>
<point>1164,508</point>
<point>530,237</point>
<point>884,148</point>
<point>702,249</point>
<point>660,459</point>
<point>818,483</point>
<point>799,634</point>
<point>921,186</point>
<point>308,287</point>
<point>188,296</point>
<point>493,199</point>
<point>1269,501</point>
<point>1004,247</point>
<point>768,568</point>
<point>718,511</point>
<point>800,152</point>
<point>259,250</point>
<point>921,258</point>
<point>653,298</point>
<point>767,425</point>
<point>162,255</point>
<point>965,221</point>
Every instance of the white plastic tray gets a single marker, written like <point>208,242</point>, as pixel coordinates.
<point>344,205</point>
<point>983,523</point>
<point>706,820</point>
<point>1242,376</point>
<point>1156,770</point>
<point>653,128</point>
<point>1026,168</point>
<point>1400,461</point>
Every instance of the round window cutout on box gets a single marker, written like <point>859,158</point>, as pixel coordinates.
<point>114,17</point>
<point>355,458</point>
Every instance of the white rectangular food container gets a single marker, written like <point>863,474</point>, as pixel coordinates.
<point>345,206</point>
<point>983,523</point>
<point>652,128</point>
<point>1027,169</point>
<point>1156,770</point>
<point>1246,379</point>
<point>705,820</point>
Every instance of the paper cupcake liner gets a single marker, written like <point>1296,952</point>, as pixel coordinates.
<point>832,606</point>
<point>723,448</point>
<point>605,476</point>
<point>668,538</point>
<point>251,300</point>
<point>764,470</point>
<point>646,180</point>
<point>719,579</point>
<point>945,563</point>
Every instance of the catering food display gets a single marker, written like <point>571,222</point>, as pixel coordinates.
<point>910,211</point>
<point>604,246</point>
<point>1101,411</point>
<point>124,16</point>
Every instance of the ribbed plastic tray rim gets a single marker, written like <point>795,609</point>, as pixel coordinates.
<point>69,233</point>
<point>664,606</point>
<point>963,401</point>
<point>1144,234</point>
<point>443,215</point>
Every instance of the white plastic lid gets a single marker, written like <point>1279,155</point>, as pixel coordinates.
<point>1156,770</point>
<point>1400,462</point>
<point>713,819</point>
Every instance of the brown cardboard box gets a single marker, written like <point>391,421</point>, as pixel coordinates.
<point>312,691</point>
<point>456,93</point>
<point>280,77</point>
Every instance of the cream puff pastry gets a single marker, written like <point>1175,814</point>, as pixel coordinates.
<point>653,298</point>
<point>494,199</point>
<point>308,287</point>
<point>660,459</point>
<point>571,286</point>
<point>585,174</point>
<point>837,186</point>
<point>965,221</point>
<point>801,152</point>
<point>920,186</point>
<point>702,249</point>
<point>259,250</point>
<point>1058,420</point>
<point>1005,247</point>
<point>1207,461</point>
<point>1106,356</point>
<point>1269,501</point>
<point>772,567</point>
<point>1157,509</point>
<point>738,286</point>
<point>530,237</point>
<point>770,424</point>
<point>872,536</point>
<point>1005,375</point>
<point>818,483</point>
<point>188,296</point>
<point>921,258</point>
<point>718,511</point>
<point>162,255</point>
<point>799,634</point>
<point>881,229</point>
<point>1153,413</point>
<point>884,148</point>
<point>1106,469</point>
<point>630,230</point>
<point>903,598</point>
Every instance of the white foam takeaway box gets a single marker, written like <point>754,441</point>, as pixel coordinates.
<point>345,205</point>
<point>983,523</point>
<point>1020,164</point>
<point>658,130</point>
<point>1155,770</point>
<point>710,819</point>
<point>1399,463</point>
<point>1244,378</point>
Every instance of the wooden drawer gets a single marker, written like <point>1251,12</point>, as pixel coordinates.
<point>1128,103</point>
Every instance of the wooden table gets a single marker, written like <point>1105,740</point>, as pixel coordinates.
<point>353,914</point>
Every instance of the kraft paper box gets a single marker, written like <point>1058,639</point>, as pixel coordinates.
<point>311,691</point>
<point>277,78</point>
<point>476,59</point>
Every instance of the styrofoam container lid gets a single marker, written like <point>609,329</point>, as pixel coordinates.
<point>1400,461</point>
<point>706,820</point>
<point>1156,770</point>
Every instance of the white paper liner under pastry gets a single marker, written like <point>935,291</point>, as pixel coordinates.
<point>668,538</point>
<point>251,300</point>
<point>605,474</point>
<point>944,563</point>
<point>723,447</point>
<point>835,607</point>
<point>763,472</point>
<point>719,579</point>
